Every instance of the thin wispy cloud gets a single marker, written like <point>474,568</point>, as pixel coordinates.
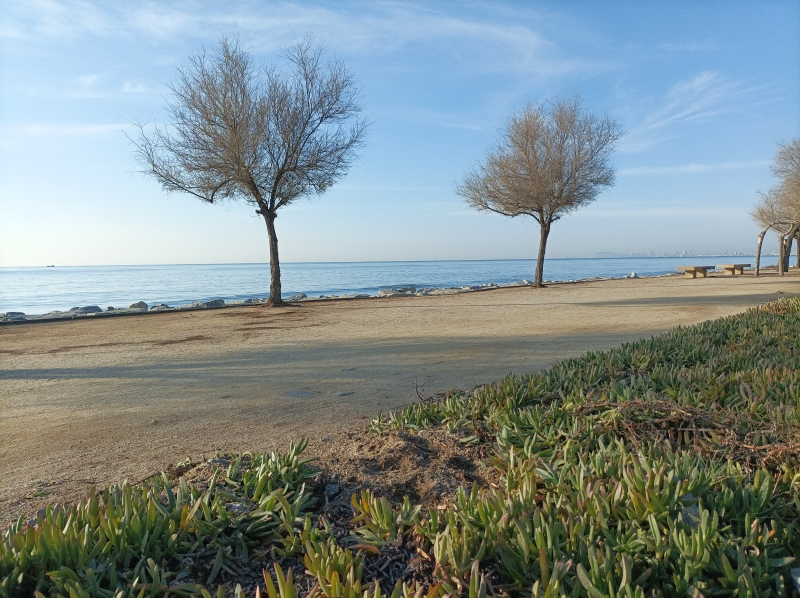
<point>691,168</point>
<point>86,87</point>
<point>48,19</point>
<point>162,21</point>
<point>704,96</point>
<point>484,44</point>
<point>692,101</point>
<point>49,130</point>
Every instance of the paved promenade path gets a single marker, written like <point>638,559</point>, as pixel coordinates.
<point>94,402</point>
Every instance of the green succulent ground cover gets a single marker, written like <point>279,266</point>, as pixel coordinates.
<point>666,467</point>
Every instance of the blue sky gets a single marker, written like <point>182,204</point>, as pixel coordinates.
<point>703,89</point>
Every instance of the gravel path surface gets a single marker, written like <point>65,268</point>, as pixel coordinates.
<point>93,402</point>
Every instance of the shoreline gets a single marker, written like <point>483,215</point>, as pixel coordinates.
<point>47,295</point>
<point>83,312</point>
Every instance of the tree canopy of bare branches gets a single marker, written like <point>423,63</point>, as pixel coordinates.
<point>551,159</point>
<point>264,136</point>
<point>779,208</point>
<point>786,168</point>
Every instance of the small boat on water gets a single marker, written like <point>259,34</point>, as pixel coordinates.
<point>51,266</point>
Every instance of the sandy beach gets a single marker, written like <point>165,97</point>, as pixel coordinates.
<point>93,402</point>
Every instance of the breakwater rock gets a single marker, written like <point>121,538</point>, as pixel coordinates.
<point>140,307</point>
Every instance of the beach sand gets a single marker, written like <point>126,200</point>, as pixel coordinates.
<point>92,402</point>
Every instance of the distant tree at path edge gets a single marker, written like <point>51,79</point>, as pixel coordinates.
<point>779,208</point>
<point>264,136</point>
<point>551,159</point>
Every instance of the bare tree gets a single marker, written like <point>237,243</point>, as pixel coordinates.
<point>551,159</point>
<point>786,168</point>
<point>259,135</point>
<point>768,214</point>
<point>779,209</point>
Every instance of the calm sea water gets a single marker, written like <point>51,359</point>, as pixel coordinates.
<point>40,290</point>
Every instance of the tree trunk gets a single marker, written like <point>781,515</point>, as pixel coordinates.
<point>785,249</point>
<point>544,231</point>
<point>274,262</point>
<point>758,251</point>
<point>797,265</point>
<point>793,234</point>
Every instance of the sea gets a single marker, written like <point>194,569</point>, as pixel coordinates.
<point>38,290</point>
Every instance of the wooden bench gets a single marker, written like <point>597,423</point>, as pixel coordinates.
<point>733,269</point>
<point>693,271</point>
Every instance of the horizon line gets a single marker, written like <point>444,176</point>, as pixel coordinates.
<point>596,257</point>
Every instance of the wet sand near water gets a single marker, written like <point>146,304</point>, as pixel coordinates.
<point>93,402</point>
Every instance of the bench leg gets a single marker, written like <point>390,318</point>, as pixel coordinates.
<point>730,272</point>
<point>688,274</point>
<point>703,273</point>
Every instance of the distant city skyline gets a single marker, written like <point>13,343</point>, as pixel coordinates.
<point>704,91</point>
<point>689,252</point>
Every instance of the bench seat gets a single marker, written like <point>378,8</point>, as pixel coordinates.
<point>694,271</point>
<point>733,269</point>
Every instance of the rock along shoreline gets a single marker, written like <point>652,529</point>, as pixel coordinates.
<point>142,308</point>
